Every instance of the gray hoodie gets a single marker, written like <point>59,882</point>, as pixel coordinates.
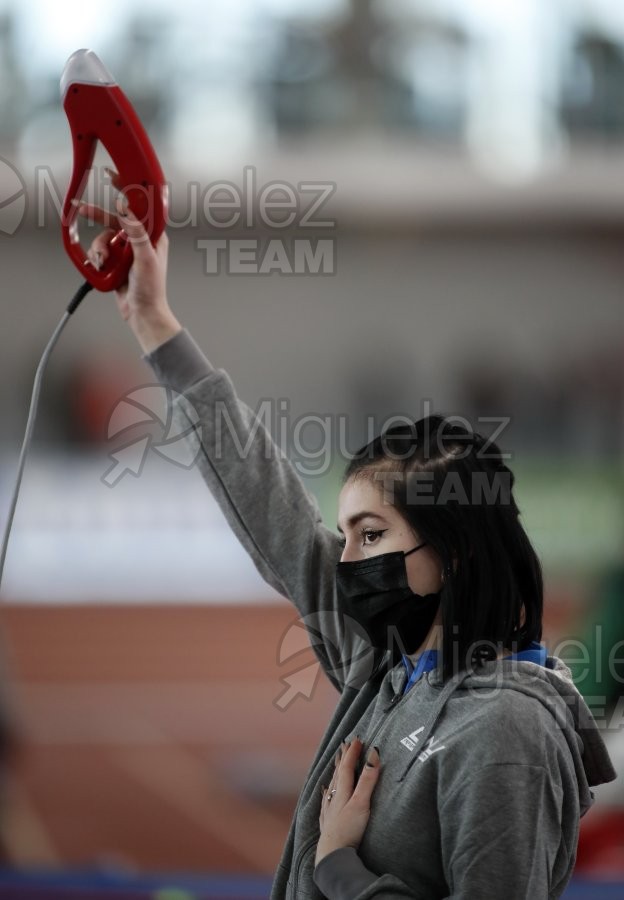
<point>483,779</point>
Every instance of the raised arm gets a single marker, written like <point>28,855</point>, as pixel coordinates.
<point>262,497</point>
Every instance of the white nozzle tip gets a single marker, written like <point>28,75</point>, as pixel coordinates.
<point>84,67</point>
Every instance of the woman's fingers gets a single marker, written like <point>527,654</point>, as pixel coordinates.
<point>97,214</point>
<point>124,219</point>
<point>345,772</point>
<point>343,788</point>
<point>137,235</point>
<point>368,779</point>
<point>343,779</point>
<point>114,177</point>
<point>98,250</point>
<point>323,802</point>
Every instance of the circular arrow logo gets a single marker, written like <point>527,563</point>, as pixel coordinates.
<point>13,198</point>
<point>350,657</point>
<point>174,431</point>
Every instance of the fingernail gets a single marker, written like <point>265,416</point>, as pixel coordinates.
<point>370,757</point>
<point>98,260</point>
<point>122,204</point>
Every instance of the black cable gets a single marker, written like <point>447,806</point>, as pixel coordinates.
<point>78,297</point>
<point>75,302</point>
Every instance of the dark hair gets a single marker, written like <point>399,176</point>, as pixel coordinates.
<point>451,484</point>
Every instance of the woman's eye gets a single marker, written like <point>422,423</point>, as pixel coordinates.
<point>368,536</point>
<point>371,536</point>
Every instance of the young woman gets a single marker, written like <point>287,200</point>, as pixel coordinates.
<point>460,756</point>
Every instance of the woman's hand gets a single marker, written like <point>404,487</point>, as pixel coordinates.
<point>142,300</point>
<point>345,807</point>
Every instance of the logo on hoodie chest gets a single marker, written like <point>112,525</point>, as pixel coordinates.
<point>431,745</point>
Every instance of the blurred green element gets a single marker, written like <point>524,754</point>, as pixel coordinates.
<point>325,489</point>
<point>573,513</point>
<point>601,680</point>
<point>173,894</point>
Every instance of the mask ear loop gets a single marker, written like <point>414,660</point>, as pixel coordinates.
<point>424,544</point>
<point>414,549</point>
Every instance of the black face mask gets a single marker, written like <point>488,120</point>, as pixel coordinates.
<point>376,594</point>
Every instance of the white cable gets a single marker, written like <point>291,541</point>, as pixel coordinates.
<point>32,414</point>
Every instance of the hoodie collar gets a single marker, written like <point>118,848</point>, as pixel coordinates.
<point>428,660</point>
<point>552,685</point>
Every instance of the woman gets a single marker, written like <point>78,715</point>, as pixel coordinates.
<point>460,757</point>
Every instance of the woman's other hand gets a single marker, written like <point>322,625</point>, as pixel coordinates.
<point>344,817</point>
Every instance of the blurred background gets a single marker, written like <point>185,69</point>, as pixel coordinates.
<point>455,173</point>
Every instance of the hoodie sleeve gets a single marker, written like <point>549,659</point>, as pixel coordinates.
<point>501,836</point>
<point>261,496</point>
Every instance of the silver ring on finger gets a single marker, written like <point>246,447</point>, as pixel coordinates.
<point>330,795</point>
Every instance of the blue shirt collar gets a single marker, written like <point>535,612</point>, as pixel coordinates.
<point>428,660</point>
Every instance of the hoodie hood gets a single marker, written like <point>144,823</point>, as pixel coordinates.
<point>552,686</point>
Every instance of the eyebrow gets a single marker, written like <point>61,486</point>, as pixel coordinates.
<point>358,517</point>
